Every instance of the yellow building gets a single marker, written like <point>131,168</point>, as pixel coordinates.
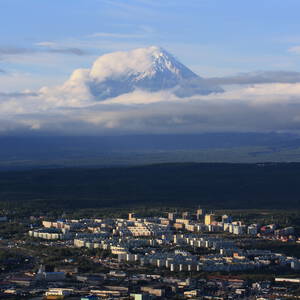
<point>209,219</point>
<point>131,217</point>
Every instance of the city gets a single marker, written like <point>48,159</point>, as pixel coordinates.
<point>193,254</point>
<point>149,149</point>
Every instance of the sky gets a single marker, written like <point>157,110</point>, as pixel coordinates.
<point>253,44</point>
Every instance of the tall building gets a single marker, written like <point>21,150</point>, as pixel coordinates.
<point>185,215</point>
<point>226,219</point>
<point>200,213</point>
<point>209,218</point>
<point>171,216</point>
<point>131,217</point>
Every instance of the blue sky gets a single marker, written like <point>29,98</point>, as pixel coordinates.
<point>43,41</point>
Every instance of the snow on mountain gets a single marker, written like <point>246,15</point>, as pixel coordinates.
<point>150,69</point>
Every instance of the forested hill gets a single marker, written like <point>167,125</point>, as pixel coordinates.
<point>211,185</point>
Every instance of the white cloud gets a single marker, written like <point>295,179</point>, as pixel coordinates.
<point>71,108</point>
<point>121,63</point>
<point>294,50</point>
<point>46,44</point>
<point>24,80</point>
<point>117,35</point>
<point>271,107</point>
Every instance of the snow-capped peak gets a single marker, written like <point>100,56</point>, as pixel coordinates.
<point>139,63</point>
<point>150,69</point>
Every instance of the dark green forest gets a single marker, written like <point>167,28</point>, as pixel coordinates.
<point>212,185</point>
